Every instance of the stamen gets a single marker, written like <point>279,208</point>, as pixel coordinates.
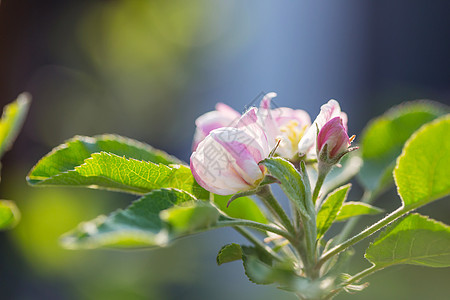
<point>294,134</point>
<point>272,153</point>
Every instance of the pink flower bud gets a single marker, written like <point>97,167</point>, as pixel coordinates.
<point>221,117</point>
<point>328,111</point>
<point>226,161</point>
<point>334,135</point>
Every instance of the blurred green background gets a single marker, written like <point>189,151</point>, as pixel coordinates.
<point>146,69</point>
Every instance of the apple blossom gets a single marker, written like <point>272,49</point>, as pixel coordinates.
<point>334,136</point>
<point>221,117</point>
<point>285,124</point>
<point>226,161</point>
<point>282,124</point>
<point>328,111</point>
<point>332,143</point>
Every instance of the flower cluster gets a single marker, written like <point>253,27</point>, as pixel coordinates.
<point>228,146</point>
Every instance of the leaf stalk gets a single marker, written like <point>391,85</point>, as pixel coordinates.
<point>364,234</point>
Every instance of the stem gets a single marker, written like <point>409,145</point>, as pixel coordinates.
<point>364,234</point>
<point>236,223</point>
<point>367,197</point>
<point>255,241</point>
<point>256,225</point>
<point>323,170</point>
<point>369,271</point>
<point>310,236</point>
<point>319,183</point>
<point>265,194</point>
<point>298,221</point>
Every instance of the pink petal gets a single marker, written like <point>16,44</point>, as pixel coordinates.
<point>265,102</point>
<point>335,136</point>
<point>227,110</point>
<point>212,169</point>
<point>221,117</point>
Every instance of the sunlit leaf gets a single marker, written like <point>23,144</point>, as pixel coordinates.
<point>9,214</point>
<point>330,209</point>
<point>423,170</point>
<point>414,240</point>
<point>352,209</point>
<point>383,138</point>
<point>109,171</point>
<point>139,225</point>
<point>12,119</point>
<point>10,123</point>
<point>73,153</point>
<point>241,208</point>
<point>190,217</point>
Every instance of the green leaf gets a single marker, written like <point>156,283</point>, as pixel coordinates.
<point>330,209</point>
<point>414,240</point>
<point>75,151</point>
<point>12,119</point>
<point>229,253</point>
<point>291,181</point>
<point>423,170</point>
<point>257,271</point>
<point>190,217</point>
<point>9,214</point>
<point>261,269</point>
<point>241,208</point>
<point>257,263</point>
<point>10,123</point>
<point>139,225</point>
<point>109,171</point>
<point>383,138</point>
<point>352,209</point>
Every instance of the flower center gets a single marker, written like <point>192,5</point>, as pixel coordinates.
<point>293,133</point>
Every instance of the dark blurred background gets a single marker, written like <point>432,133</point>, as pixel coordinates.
<point>146,69</point>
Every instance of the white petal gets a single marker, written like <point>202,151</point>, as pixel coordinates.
<point>327,111</point>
